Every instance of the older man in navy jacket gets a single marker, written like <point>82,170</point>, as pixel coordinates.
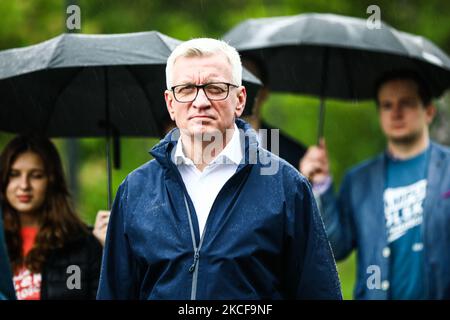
<point>214,216</point>
<point>393,209</point>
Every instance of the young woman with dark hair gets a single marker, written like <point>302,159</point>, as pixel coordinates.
<point>52,253</point>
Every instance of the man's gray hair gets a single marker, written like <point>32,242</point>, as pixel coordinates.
<point>204,47</point>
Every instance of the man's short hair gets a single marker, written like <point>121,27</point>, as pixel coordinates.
<point>205,47</point>
<point>423,88</point>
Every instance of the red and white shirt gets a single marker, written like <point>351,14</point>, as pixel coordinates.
<point>26,283</point>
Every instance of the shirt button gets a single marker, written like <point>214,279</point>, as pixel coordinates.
<point>386,252</point>
<point>385,285</point>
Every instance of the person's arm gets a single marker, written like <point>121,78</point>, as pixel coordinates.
<point>311,269</point>
<point>335,213</point>
<point>119,268</point>
<point>95,250</point>
<point>337,217</point>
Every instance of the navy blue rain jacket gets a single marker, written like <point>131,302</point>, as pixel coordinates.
<point>263,238</point>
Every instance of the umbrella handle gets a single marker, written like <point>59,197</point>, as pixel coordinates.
<point>323,83</point>
<point>108,137</point>
<point>116,150</point>
<point>108,171</point>
<point>321,120</point>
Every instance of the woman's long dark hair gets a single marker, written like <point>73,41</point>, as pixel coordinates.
<point>58,222</point>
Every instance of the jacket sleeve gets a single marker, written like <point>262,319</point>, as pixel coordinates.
<point>6,285</point>
<point>311,261</point>
<point>337,217</point>
<point>119,268</point>
<point>94,265</point>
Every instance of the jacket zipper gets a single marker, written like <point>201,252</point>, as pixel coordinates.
<point>194,266</point>
<point>196,256</point>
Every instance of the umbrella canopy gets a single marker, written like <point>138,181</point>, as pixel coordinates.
<point>78,85</point>
<point>334,56</point>
<point>299,50</point>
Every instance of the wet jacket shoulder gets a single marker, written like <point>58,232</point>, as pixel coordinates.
<point>81,256</point>
<point>263,239</point>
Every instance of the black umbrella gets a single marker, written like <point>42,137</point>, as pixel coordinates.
<point>78,85</point>
<point>335,56</point>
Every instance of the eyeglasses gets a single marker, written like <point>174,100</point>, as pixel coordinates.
<point>214,91</point>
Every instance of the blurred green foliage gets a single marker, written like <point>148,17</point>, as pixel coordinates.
<point>351,128</point>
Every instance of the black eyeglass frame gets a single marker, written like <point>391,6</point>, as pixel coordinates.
<point>202,86</point>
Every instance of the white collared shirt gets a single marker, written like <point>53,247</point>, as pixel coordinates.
<point>204,186</point>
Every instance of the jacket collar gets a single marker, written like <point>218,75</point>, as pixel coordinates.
<point>232,153</point>
<point>162,152</point>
